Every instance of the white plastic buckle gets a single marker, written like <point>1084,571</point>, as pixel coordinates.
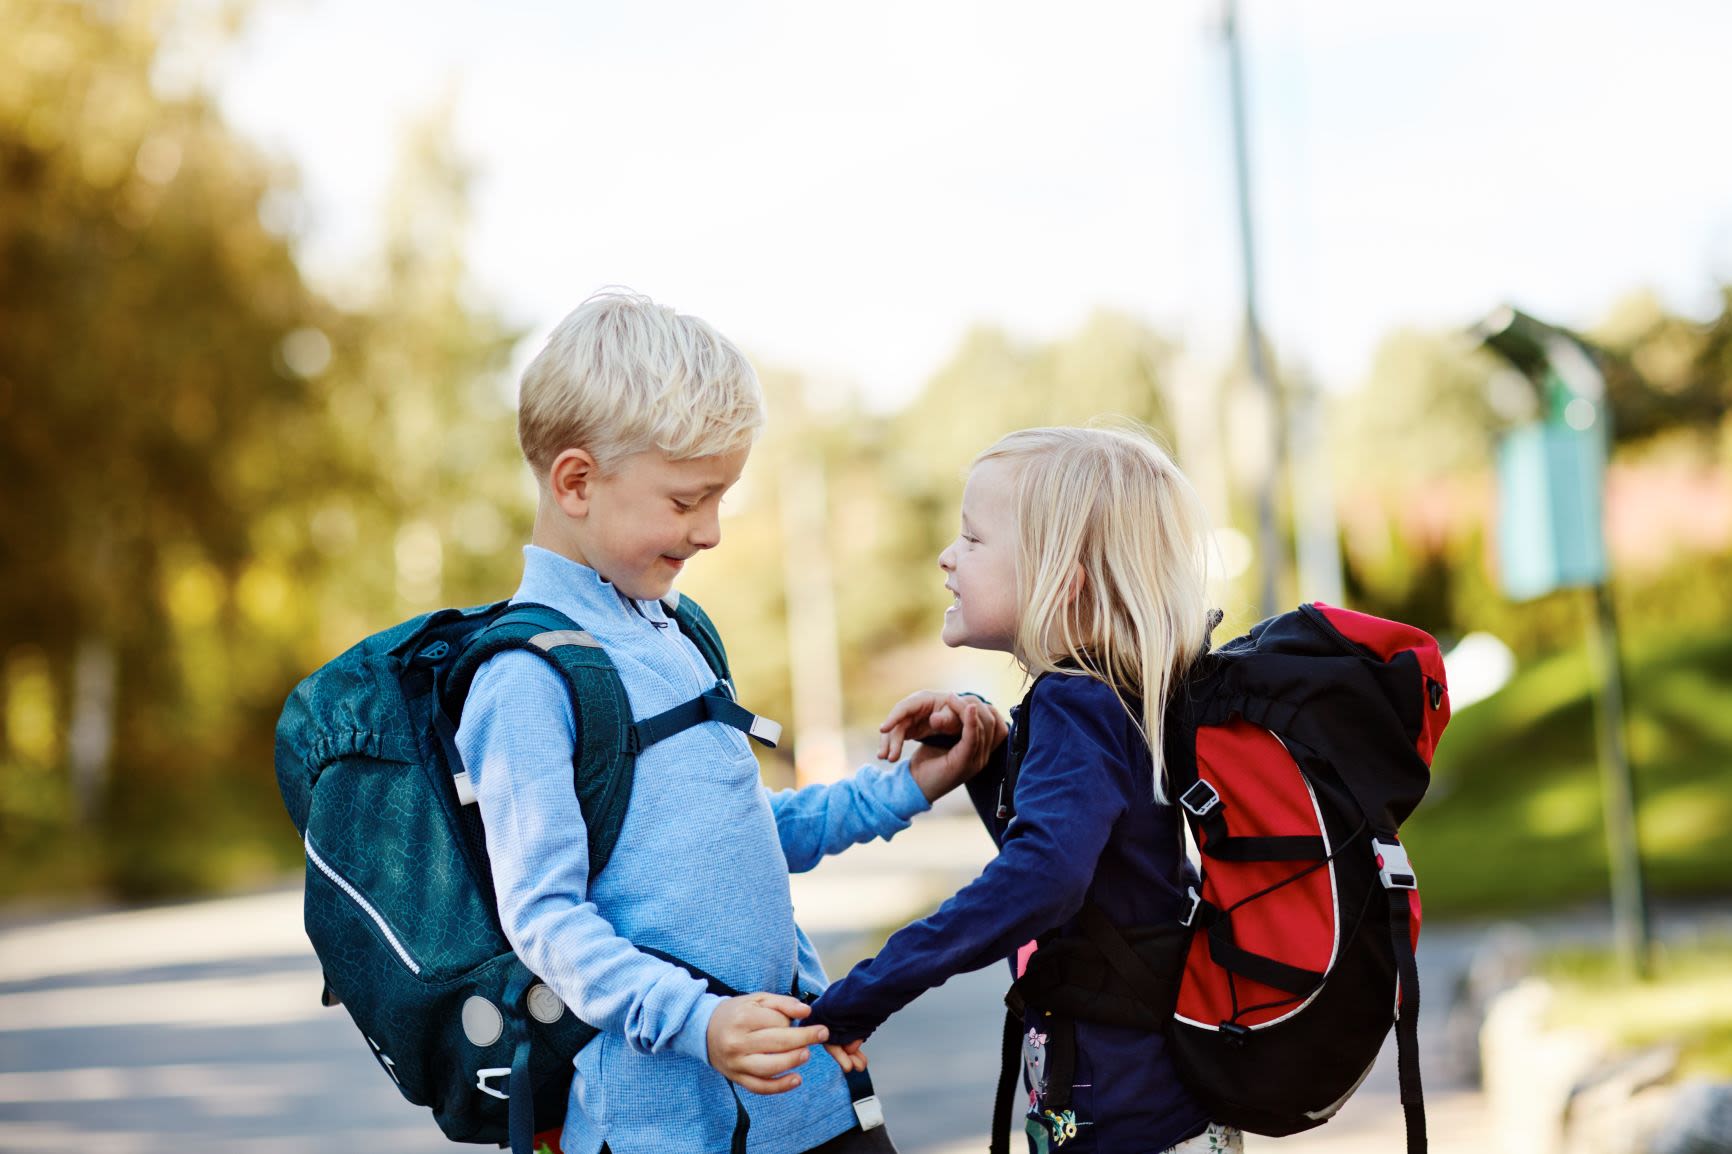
<point>1393,867</point>
<point>869,1112</point>
<point>1200,798</point>
<point>465,788</point>
<point>767,731</point>
<point>481,1077</point>
<point>1194,902</point>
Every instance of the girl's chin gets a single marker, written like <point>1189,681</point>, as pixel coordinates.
<point>953,634</point>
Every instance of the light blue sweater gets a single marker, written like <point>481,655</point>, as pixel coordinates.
<point>700,872</point>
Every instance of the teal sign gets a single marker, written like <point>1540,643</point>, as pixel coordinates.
<point>1551,512</point>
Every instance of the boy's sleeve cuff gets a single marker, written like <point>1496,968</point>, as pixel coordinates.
<point>693,1039</point>
<point>906,798</point>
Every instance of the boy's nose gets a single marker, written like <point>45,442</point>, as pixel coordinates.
<point>707,531</point>
<point>945,561</point>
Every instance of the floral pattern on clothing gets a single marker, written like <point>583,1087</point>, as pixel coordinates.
<point>1217,1139</point>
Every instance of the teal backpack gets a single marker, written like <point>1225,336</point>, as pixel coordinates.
<point>400,905</point>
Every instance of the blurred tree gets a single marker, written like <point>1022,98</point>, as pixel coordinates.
<point>1665,372</point>
<point>206,466</point>
<point>1415,461</point>
<point>429,409</point>
<point>150,404</point>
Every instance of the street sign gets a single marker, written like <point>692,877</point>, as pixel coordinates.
<point>1550,509</point>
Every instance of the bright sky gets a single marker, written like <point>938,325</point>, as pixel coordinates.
<point>847,188</point>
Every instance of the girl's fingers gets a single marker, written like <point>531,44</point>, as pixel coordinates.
<point>910,707</point>
<point>942,720</point>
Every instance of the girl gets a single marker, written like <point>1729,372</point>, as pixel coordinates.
<point>1081,554</point>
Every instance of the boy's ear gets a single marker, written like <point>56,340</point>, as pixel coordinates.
<point>569,479</point>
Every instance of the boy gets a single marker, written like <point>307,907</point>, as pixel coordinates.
<point>636,421</point>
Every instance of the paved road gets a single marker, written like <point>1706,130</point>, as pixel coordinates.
<point>197,1028</point>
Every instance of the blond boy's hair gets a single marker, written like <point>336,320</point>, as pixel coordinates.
<point>1112,502</point>
<point>622,374</point>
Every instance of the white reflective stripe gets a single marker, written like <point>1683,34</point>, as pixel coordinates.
<point>378,920</point>
<point>766,730</point>
<point>554,638</point>
<point>465,788</point>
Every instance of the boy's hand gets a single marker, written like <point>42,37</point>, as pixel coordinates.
<point>850,1057</point>
<point>752,1042</point>
<point>973,725</point>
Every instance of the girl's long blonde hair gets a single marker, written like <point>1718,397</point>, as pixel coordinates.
<point>1110,503</point>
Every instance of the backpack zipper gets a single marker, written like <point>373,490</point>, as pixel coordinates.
<point>1327,628</point>
<point>366,907</point>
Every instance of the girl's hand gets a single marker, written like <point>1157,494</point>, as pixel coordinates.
<point>969,727</point>
<point>850,1057</point>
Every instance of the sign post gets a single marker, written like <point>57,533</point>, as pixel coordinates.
<point>1551,535</point>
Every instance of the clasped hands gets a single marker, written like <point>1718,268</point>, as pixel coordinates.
<point>752,1038</point>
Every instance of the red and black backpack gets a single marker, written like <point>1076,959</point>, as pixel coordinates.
<point>1294,753</point>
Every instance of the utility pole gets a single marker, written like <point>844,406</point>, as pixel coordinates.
<point>1269,455</point>
<point>813,647</point>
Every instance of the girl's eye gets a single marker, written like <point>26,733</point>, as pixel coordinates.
<point>685,506</point>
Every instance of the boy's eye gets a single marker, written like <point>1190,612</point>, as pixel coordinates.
<point>684,506</point>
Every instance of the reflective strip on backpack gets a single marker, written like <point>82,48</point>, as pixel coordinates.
<point>554,638</point>
<point>367,907</point>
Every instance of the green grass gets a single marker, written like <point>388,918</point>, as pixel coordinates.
<point>1514,819</point>
<point>1688,1003</point>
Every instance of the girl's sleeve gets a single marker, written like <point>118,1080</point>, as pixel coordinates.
<point>1072,789</point>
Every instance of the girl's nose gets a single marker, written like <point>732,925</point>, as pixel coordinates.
<point>946,561</point>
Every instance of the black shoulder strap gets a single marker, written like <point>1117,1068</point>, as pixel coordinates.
<point>1407,1022</point>
<point>697,626</point>
<point>601,767</point>
<point>1021,723</point>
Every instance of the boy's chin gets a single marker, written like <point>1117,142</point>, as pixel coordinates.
<point>642,590</point>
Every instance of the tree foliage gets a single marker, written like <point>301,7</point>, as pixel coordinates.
<point>206,465</point>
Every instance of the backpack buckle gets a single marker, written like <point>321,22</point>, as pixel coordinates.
<point>481,1077</point>
<point>1194,902</point>
<point>1200,799</point>
<point>1393,868</point>
<point>767,732</point>
<point>869,1112</point>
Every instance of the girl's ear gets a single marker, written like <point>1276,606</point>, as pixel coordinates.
<point>1078,581</point>
<point>570,479</point>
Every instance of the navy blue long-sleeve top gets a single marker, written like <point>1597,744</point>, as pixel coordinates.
<point>1086,829</point>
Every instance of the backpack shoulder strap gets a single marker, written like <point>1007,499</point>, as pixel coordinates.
<point>697,626</point>
<point>1021,723</point>
<point>601,765</point>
